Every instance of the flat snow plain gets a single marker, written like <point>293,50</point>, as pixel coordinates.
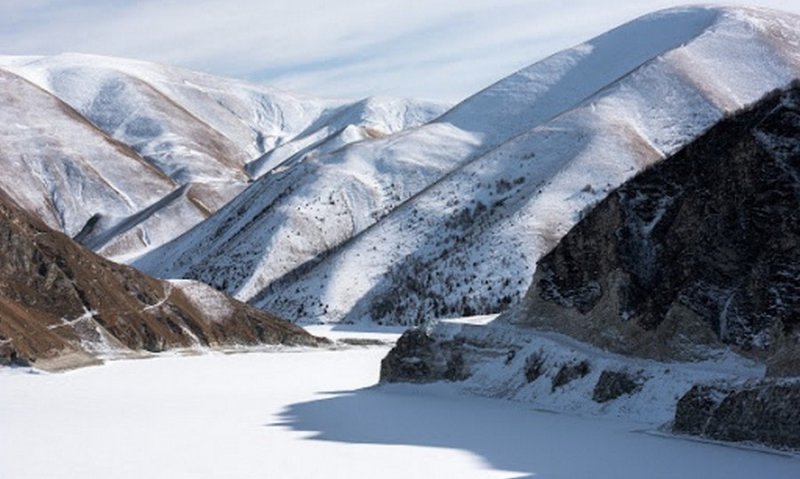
<point>308,414</point>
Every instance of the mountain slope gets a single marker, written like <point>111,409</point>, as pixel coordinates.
<point>469,243</point>
<point>674,302</point>
<point>63,306</point>
<point>199,132</point>
<point>61,167</point>
<point>305,207</point>
<point>334,197</point>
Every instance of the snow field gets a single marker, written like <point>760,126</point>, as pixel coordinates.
<point>316,414</point>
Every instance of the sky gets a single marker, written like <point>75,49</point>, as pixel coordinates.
<point>434,49</point>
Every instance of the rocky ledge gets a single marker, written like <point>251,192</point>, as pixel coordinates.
<point>418,357</point>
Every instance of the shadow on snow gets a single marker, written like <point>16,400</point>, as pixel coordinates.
<point>511,437</point>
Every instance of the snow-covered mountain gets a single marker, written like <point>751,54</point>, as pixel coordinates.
<point>59,166</point>
<point>451,217</point>
<point>677,297</point>
<point>469,243</point>
<point>200,138</point>
<point>308,206</point>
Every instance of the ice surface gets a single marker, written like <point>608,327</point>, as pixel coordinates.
<point>315,414</point>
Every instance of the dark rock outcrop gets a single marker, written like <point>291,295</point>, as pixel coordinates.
<point>570,372</point>
<point>534,367</point>
<point>417,357</point>
<point>765,412</point>
<point>60,304</point>
<point>613,384</point>
<point>702,249</point>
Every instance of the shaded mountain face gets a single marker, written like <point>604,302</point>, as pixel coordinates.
<point>62,306</point>
<point>700,250</point>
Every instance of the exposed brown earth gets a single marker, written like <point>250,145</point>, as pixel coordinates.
<point>61,305</point>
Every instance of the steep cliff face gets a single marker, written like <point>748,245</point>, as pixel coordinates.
<point>62,306</point>
<point>700,250</point>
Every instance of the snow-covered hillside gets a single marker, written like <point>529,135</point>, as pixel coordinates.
<point>450,218</point>
<point>469,244</point>
<point>321,201</point>
<point>192,130</point>
<point>60,167</point>
<point>307,206</point>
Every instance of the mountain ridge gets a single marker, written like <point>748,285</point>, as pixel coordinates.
<point>194,127</point>
<point>399,269</point>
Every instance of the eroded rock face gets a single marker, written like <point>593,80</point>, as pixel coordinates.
<point>765,412</point>
<point>419,358</point>
<point>61,305</point>
<point>703,249</point>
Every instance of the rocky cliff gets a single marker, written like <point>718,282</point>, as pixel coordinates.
<point>63,306</point>
<point>761,411</point>
<point>701,250</point>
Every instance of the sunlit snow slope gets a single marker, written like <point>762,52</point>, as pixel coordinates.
<point>469,243</point>
<point>202,138</point>
<point>450,218</point>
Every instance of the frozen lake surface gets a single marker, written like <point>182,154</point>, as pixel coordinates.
<point>316,414</point>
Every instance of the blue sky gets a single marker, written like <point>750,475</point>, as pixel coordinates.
<point>438,49</point>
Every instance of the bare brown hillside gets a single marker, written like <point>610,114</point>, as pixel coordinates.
<point>61,305</point>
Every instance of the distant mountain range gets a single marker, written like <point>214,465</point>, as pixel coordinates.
<point>126,155</point>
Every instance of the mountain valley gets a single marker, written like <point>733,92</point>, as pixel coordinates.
<point>610,234</point>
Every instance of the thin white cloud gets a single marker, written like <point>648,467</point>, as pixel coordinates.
<point>443,49</point>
